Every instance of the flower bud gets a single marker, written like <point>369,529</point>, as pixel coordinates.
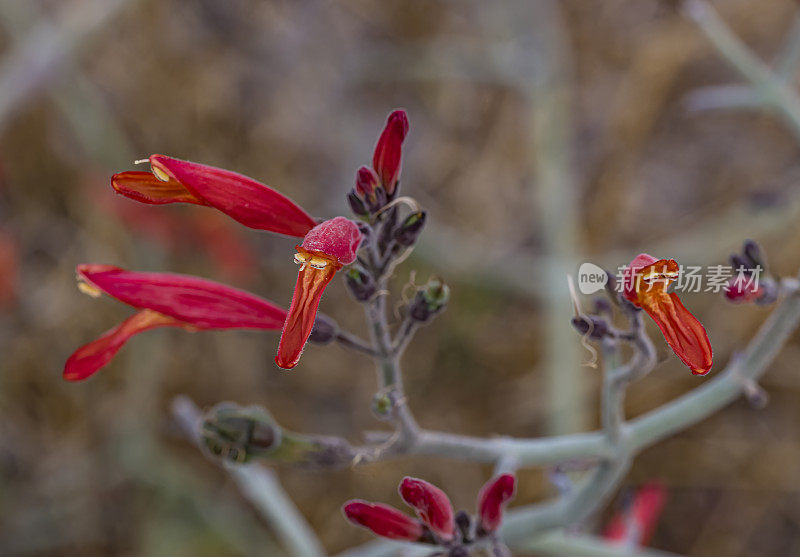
<point>357,205</point>
<point>492,499</point>
<point>383,520</point>
<point>388,151</point>
<point>382,405</point>
<point>740,292</point>
<point>378,200</point>
<point>366,183</point>
<point>324,331</point>
<point>430,300</point>
<point>408,232</point>
<point>754,253</point>
<point>431,504</point>
<point>603,307</point>
<point>740,262</point>
<point>464,524</point>
<point>360,283</point>
<point>239,433</point>
<point>590,325</point>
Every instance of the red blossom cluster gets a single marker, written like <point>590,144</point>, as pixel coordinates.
<point>436,523</point>
<point>193,303</point>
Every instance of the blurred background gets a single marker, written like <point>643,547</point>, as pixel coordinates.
<point>543,134</point>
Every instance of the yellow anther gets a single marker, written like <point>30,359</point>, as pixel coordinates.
<point>317,262</point>
<point>160,174</point>
<point>301,258</point>
<point>89,289</point>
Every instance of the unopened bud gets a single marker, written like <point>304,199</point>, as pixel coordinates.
<point>590,325</point>
<point>464,525</point>
<point>324,331</point>
<point>360,283</point>
<point>382,405</point>
<point>740,262</point>
<point>239,433</point>
<point>408,232</point>
<point>366,183</point>
<point>753,252</point>
<point>430,300</point>
<point>357,205</point>
<point>603,307</point>
<point>378,200</point>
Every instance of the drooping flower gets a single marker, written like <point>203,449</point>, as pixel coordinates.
<point>646,280</point>
<point>325,248</point>
<point>638,520</point>
<point>165,300</point>
<point>431,504</point>
<point>492,500</point>
<point>383,520</point>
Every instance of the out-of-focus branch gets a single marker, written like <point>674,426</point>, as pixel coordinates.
<point>260,486</point>
<point>772,87</point>
<point>645,430</point>
<point>38,59</point>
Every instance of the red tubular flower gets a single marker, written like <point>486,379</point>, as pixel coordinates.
<point>325,249</point>
<point>383,520</point>
<point>431,505</point>
<point>645,285</point>
<point>639,520</point>
<point>245,200</point>
<point>165,300</point>
<point>388,151</point>
<point>492,500</point>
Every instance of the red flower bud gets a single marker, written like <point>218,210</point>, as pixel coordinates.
<point>645,285</point>
<point>492,499</point>
<point>383,520</point>
<point>431,504</point>
<point>388,151</point>
<point>366,182</point>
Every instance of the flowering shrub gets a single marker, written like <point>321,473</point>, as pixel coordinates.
<point>366,246</point>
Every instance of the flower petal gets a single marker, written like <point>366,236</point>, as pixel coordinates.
<point>338,237</point>
<point>683,332</point>
<point>431,504</point>
<point>245,200</point>
<point>89,358</point>
<point>492,499</point>
<point>388,155</point>
<point>311,283</point>
<point>645,285</point>
<point>201,303</point>
<point>383,520</point>
<point>146,188</point>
